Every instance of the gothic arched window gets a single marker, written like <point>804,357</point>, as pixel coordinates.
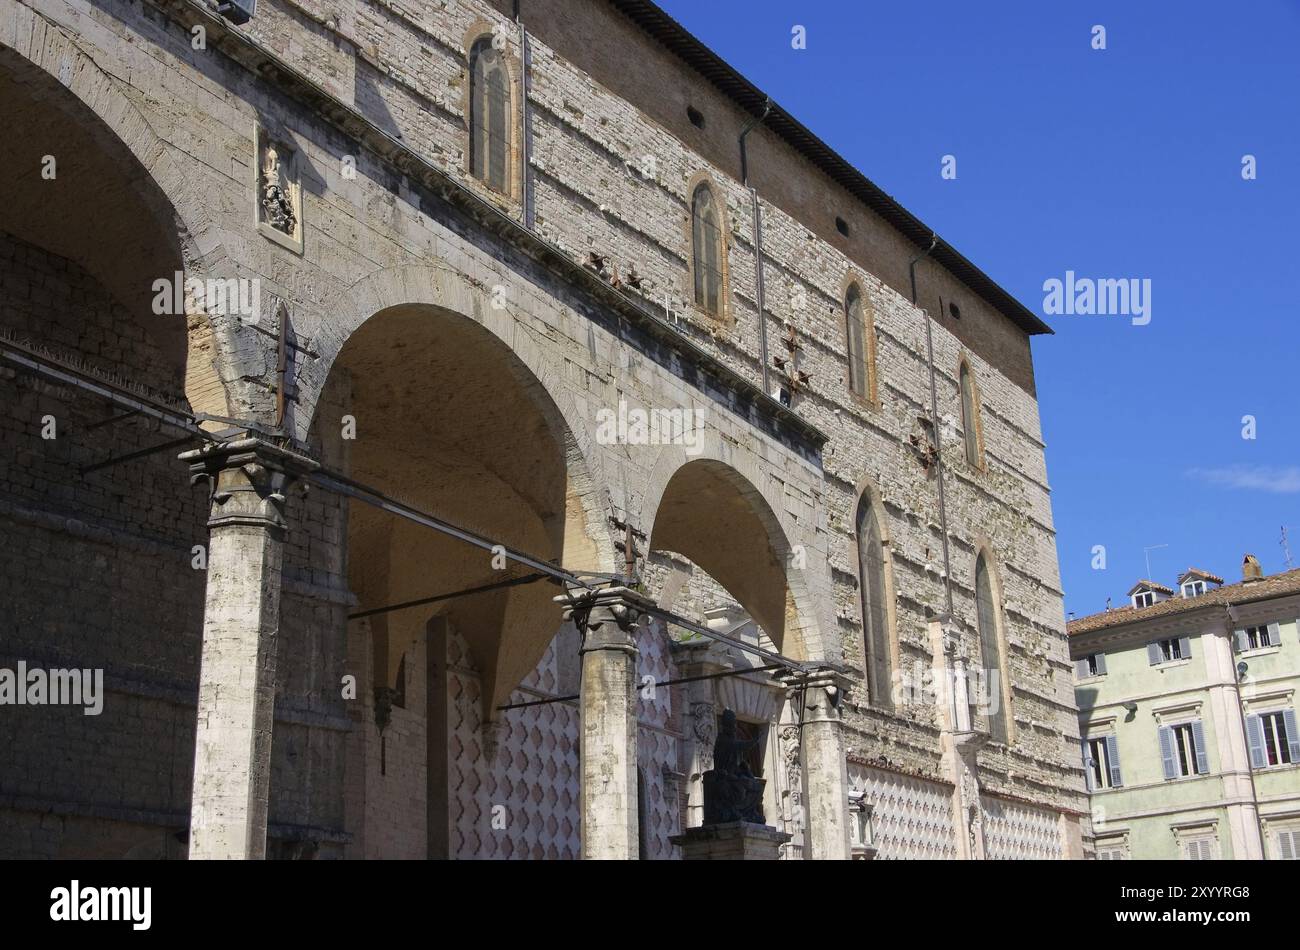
<point>706,249</point>
<point>856,331</point>
<point>489,116</point>
<point>970,422</point>
<point>875,614</point>
<point>991,656</point>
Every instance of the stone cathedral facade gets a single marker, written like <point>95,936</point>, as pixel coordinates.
<point>423,419</point>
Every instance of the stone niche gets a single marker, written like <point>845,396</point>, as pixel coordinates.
<point>277,190</point>
<point>761,708</point>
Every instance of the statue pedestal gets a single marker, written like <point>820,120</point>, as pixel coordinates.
<point>733,841</point>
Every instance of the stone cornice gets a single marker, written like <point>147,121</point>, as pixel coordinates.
<point>661,341</point>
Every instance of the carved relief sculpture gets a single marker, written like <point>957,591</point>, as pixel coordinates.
<point>278,192</point>
<point>277,205</point>
<point>705,729</point>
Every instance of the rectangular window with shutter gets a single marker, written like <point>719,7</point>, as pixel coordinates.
<point>1103,763</point>
<point>1112,849</point>
<point>1183,750</point>
<point>1257,638</point>
<point>1166,651</point>
<point>1273,738</point>
<point>1286,844</point>
<point>1200,848</point>
<point>1094,664</point>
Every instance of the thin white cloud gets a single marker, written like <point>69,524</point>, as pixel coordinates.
<point>1277,479</point>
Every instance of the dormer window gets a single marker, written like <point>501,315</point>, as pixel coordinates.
<point>1146,593</point>
<point>1194,582</point>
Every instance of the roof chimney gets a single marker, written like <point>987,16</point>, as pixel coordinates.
<point>1250,569</point>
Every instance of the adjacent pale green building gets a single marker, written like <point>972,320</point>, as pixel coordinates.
<point>1187,716</point>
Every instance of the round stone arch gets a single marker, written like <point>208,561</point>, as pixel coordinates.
<point>797,627</point>
<point>454,412</point>
<point>456,297</point>
<point>31,46</point>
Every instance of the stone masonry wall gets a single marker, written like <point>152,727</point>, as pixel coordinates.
<point>97,571</point>
<point>589,149</point>
<point>404,67</point>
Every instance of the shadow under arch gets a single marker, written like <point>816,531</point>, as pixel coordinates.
<point>449,419</point>
<point>120,204</point>
<point>713,515</point>
<point>88,223</point>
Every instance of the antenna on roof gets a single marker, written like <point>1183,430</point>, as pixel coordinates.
<point>1147,551</point>
<point>1286,550</point>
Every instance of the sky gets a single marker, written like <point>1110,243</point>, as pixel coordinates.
<point>1123,162</point>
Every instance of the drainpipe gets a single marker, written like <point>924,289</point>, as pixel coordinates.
<point>1245,738</point>
<point>934,422</point>
<point>525,130</point>
<point>760,297</point>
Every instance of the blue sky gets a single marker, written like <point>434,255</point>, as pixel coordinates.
<point>1117,163</point>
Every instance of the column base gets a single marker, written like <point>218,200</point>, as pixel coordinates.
<point>733,841</point>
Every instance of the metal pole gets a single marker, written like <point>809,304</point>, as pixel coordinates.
<point>342,485</point>
<point>760,296</point>
<point>435,598</point>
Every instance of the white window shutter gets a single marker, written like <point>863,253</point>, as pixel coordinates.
<point>1153,653</point>
<point>1239,641</point>
<point>1087,763</point>
<point>1081,668</point>
<point>1185,647</point>
<point>1101,664</point>
<point>1274,634</point>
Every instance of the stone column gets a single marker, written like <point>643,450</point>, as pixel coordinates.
<point>608,618</point>
<point>700,724</point>
<point>232,750</point>
<point>825,768</point>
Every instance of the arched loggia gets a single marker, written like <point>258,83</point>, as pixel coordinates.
<point>717,523</point>
<point>429,406</point>
<point>709,513</point>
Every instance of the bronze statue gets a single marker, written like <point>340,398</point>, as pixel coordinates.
<point>731,791</point>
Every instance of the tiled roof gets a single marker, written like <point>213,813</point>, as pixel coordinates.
<point>1150,585</point>
<point>1197,572</point>
<point>1275,585</point>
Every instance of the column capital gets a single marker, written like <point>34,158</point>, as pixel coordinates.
<point>966,744</point>
<point>247,478</point>
<point>825,688</point>
<point>607,617</point>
